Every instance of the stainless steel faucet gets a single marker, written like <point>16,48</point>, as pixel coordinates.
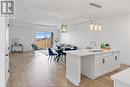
<point>92,44</point>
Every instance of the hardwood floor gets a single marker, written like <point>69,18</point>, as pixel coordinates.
<point>27,70</point>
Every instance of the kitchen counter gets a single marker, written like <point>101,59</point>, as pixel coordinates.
<point>85,52</point>
<point>122,79</point>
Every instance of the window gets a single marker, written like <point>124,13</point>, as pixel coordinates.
<point>44,39</point>
<point>42,35</point>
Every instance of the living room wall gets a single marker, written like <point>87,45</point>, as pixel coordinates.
<point>26,36</point>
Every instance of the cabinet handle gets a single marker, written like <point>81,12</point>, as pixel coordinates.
<point>6,54</point>
<point>103,61</point>
<point>115,57</point>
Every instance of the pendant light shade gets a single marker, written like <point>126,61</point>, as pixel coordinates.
<point>64,28</point>
<point>99,27</point>
<point>91,26</point>
<point>64,24</point>
<point>95,27</point>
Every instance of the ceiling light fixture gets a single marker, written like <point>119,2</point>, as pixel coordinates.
<point>99,27</point>
<point>64,25</point>
<point>91,26</point>
<point>95,27</point>
<point>64,28</point>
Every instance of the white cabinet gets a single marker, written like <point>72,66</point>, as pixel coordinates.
<point>105,63</point>
<point>99,64</point>
<point>116,61</point>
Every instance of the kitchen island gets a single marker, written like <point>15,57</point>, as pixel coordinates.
<point>92,64</point>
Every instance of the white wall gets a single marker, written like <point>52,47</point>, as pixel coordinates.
<point>116,31</point>
<point>26,35</point>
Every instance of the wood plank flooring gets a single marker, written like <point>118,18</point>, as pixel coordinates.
<point>27,70</point>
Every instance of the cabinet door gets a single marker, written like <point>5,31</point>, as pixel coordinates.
<point>116,60</point>
<point>113,61</point>
<point>105,63</point>
<point>109,62</point>
<point>99,65</point>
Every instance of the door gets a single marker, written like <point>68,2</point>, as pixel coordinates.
<point>2,52</point>
<point>7,50</point>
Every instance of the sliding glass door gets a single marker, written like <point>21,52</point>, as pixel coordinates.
<point>44,39</point>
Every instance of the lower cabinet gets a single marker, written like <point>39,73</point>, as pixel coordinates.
<point>99,65</point>
<point>104,63</point>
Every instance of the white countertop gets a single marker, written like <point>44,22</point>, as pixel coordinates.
<point>85,52</point>
<point>123,76</point>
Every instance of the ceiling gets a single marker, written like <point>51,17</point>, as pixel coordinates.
<point>50,12</point>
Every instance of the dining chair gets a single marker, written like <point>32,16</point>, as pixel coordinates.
<point>51,53</point>
<point>34,47</point>
<point>60,54</point>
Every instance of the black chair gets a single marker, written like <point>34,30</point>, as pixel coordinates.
<point>60,53</point>
<point>51,53</point>
<point>75,48</point>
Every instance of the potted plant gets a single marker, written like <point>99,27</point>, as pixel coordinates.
<point>105,46</point>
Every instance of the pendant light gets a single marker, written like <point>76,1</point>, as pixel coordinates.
<point>99,27</point>
<point>64,28</point>
<point>91,27</point>
<point>63,25</point>
<point>95,27</point>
